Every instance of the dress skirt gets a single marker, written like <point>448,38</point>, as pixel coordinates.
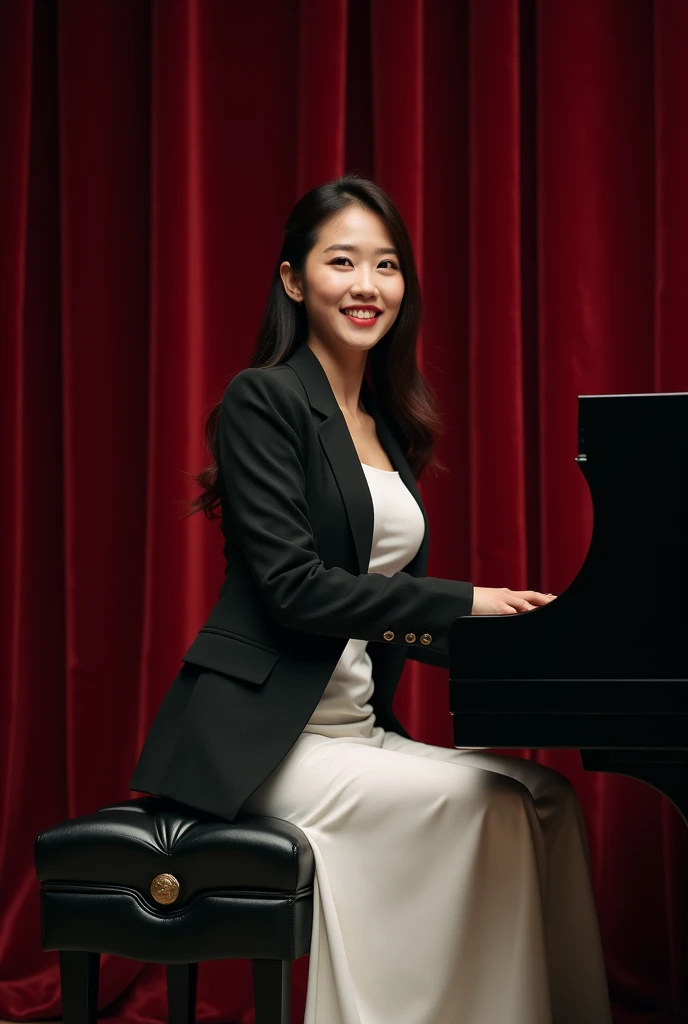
<point>452,886</point>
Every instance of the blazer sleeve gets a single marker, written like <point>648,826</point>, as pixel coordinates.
<point>261,461</point>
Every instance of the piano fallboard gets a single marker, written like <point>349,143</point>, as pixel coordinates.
<point>572,696</point>
<point>597,731</point>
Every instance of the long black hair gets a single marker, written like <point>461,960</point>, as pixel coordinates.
<point>402,392</point>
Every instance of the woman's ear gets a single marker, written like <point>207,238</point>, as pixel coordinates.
<point>291,282</point>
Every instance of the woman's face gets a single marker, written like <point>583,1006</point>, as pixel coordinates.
<point>352,264</point>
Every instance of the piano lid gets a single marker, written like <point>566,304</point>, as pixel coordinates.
<point>625,615</point>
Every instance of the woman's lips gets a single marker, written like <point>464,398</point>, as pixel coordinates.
<point>359,321</point>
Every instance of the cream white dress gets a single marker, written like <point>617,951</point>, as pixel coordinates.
<point>452,886</point>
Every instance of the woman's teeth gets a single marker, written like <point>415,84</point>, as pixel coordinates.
<point>359,314</point>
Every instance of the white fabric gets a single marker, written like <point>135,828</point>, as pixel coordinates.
<point>452,886</point>
<point>398,531</point>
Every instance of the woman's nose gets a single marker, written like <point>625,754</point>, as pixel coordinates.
<point>364,285</point>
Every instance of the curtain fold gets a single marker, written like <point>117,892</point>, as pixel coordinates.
<point>495,379</point>
<point>151,151</point>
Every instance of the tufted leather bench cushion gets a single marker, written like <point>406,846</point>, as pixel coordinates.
<point>245,888</point>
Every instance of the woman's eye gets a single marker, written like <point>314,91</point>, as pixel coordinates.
<point>337,258</point>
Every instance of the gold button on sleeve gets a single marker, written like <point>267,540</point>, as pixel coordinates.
<point>388,634</point>
<point>410,637</point>
<point>425,638</point>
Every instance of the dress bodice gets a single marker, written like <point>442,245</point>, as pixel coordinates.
<point>397,535</point>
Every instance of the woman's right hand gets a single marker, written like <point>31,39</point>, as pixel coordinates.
<point>502,601</point>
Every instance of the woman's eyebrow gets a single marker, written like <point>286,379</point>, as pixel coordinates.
<point>354,248</point>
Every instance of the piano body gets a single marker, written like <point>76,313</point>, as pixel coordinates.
<point>604,668</point>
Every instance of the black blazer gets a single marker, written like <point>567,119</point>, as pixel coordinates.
<point>297,516</point>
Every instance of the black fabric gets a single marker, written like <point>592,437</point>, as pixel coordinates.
<point>297,516</point>
<point>245,888</point>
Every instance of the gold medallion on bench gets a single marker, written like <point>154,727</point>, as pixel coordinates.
<point>164,888</point>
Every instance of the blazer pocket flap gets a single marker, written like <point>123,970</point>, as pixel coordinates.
<point>231,657</point>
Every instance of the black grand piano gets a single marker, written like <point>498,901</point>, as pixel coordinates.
<point>604,668</point>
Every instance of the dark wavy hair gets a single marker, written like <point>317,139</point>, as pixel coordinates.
<point>402,392</point>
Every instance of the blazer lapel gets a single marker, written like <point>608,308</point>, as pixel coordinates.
<point>343,457</point>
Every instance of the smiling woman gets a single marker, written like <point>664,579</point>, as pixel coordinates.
<point>346,246</point>
<point>450,884</point>
<point>364,288</point>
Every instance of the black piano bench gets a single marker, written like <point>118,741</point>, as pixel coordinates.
<point>160,882</point>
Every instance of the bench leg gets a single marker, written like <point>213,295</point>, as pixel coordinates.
<point>79,986</point>
<point>181,993</point>
<point>271,991</point>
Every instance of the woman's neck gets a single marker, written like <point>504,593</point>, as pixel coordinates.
<point>346,378</point>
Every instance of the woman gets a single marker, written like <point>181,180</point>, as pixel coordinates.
<point>452,886</point>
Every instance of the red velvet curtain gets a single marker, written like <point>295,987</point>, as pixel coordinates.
<point>150,152</point>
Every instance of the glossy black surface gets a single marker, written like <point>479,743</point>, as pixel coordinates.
<point>604,668</point>
<point>245,889</point>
